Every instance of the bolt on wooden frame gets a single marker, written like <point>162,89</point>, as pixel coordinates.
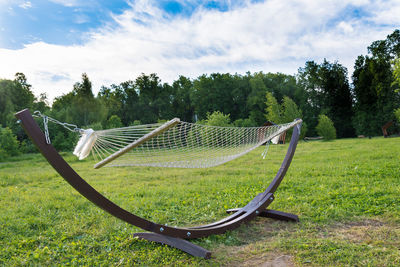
<point>164,234</point>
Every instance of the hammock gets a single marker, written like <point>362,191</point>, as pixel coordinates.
<point>172,144</point>
<point>206,144</point>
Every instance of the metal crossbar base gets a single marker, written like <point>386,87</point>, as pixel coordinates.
<point>173,236</point>
<point>198,251</point>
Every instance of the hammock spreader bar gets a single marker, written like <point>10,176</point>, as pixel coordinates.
<point>138,142</point>
<point>162,233</point>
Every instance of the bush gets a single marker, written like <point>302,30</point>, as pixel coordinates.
<point>114,122</point>
<point>28,147</point>
<point>9,145</point>
<point>249,122</point>
<point>325,128</point>
<point>397,114</point>
<point>218,118</point>
<point>135,123</point>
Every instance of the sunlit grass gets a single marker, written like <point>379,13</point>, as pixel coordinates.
<point>330,185</point>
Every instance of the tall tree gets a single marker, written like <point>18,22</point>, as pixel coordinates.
<point>79,106</point>
<point>328,92</point>
<point>155,100</point>
<point>273,111</point>
<point>14,96</point>
<point>181,103</point>
<point>256,98</point>
<point>375,92</point>
<point>112,99</point>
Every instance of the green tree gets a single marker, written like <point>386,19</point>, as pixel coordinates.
<point>396,77</point>
<point>85,108</point>
<point>6,101</point>
<point>284,85</point>
<point>112,99</point>
<point>9,145</point>
<point>14,96</point>
<point>397,114</point>
<point>154,101</point>
<point>79,106</point>
<point>212,93</point>
<point>22,93</point>
<point>325,128</point>
<point>256,98</point>
<point>375,86</point>
<point>328,91</point>
<point>41,103</point>
<point>273,109</point>
<point>130,103</point>
<point>290,110</point>
<point>182,106</point>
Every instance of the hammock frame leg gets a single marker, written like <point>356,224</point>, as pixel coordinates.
<point>173,236</point>
<point>274,214</point>
<point>178,243</point>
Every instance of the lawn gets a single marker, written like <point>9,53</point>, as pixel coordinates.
<point>346,193</point>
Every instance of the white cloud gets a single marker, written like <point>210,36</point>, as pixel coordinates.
<point>25,5</point>
<point>273,36</point>
<point>346,27</point>
<point>68,3</point>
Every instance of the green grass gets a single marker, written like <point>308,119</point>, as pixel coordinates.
<point>346,192</point>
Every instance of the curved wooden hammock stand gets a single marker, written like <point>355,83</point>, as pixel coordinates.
<point>171,236</point>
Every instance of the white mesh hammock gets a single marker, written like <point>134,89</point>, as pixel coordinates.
<point>174,144</point>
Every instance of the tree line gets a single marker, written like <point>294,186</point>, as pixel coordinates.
<point>359,107</point>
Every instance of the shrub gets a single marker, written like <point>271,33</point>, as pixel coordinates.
<point>218,118</point>
<point>28,147</point>
<point>325,128</point>
<point>135,123</point>
<point>249,122</point>
<point>8,144</point>
<point>114,122</point>
<point>397,114</point>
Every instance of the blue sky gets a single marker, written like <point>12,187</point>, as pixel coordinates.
<point>65,22</point>
<point>56,22</point>
<point>53,42</point>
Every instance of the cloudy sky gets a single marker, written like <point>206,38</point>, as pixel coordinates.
<point>53,42</point>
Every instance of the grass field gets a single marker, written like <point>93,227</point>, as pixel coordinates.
<point>346,193</point>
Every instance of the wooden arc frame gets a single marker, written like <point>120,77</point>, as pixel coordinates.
<point>172,236</point>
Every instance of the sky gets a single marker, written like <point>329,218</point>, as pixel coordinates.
<point>53,42</point>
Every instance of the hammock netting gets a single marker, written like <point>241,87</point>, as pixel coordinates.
<point>183,145</point>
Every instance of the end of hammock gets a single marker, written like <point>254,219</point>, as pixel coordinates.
<point>85,143</point>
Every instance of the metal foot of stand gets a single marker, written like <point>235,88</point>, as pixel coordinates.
<point>178,243</point>
<point>274,214</point>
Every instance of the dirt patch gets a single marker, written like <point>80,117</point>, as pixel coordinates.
<point>262,228</point>
<point>367,222</point>
<point>366,231</point>
<point>280,261</point>
<point>269,259</point>
<point>245,255</point>
<point>261,240</point>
